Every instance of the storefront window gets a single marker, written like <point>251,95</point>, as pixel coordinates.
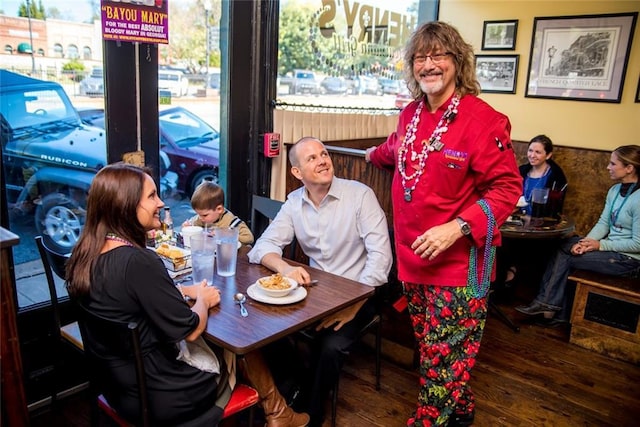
<point>343,53</point>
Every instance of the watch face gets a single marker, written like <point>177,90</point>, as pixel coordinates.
<point>464,227</point>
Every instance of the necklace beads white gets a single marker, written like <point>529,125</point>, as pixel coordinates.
<point>434,143</point>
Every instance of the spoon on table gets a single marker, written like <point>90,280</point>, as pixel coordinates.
<point>240,299</point>
<point>311,283</point>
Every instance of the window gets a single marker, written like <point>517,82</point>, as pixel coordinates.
<point>40,52</point>
<point>8,49</point>
<point>58,51</point>
<point>86,53</point>
<point>72,52</point>
<point>330,47</point>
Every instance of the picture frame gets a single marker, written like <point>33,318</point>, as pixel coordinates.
<point>499,35</point>
<point>638,91</point>
<point>497,73</point>
<point>582,58</point>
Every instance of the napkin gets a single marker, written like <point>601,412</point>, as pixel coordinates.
<point>199,355</point>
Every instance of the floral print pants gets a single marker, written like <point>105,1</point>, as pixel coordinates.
<point>448,324</point>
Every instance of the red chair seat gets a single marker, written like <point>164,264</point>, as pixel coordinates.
<point>243,397</point>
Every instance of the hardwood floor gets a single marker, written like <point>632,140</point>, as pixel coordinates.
<point>532,378</point>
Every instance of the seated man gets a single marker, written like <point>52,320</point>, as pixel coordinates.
<point>341,227</point>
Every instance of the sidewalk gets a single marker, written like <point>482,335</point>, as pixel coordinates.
<point>31,284</point>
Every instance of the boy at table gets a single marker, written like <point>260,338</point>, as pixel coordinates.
<point>208,202</point>
<point>341,227</point>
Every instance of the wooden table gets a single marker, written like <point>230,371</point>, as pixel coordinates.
<point>267,323</point>
<point>548,229</point>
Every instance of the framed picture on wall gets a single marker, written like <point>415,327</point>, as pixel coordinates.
<point>497,73</point>
<point>499,35</point>
<point>580,58</point>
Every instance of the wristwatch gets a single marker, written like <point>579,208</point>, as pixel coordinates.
<point>464,226</point>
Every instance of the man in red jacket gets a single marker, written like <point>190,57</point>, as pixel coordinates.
<point>455,182</point>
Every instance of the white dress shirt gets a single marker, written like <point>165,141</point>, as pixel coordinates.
<point>346,235</point>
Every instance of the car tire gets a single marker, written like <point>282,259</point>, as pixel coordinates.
<point>59,220</point>
<point>202,175</point>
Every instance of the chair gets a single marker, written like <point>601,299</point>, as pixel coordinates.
<point>243,397</point>
<point>264,207</point>
<point>54,263</point>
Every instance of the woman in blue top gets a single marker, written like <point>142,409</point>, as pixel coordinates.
<point>611,247</point>
<point>541,171</point>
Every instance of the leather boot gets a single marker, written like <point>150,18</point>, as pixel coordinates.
<point>278,414</point>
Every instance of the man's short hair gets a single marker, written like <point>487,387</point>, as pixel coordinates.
<point>293,155</point>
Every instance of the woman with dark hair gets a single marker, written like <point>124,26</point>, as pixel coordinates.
<point>539,172</point>
<point>611,247</point>
<point>112,274</point>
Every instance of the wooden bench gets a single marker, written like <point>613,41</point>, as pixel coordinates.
<point>605,315</point>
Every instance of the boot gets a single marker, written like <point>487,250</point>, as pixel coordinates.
<point>278,414</point>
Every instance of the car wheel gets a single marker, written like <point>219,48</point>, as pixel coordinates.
<point>203,175</point>
<point>59,220</point>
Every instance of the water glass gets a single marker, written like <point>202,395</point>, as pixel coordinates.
<point>556,197</point>
<point>539,197</point>
<point>203,249</point>
<point>226,250</point>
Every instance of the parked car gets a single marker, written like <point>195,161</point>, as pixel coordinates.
<point>213,79</point>
<point>192,145</point>
<point>49,157</point>
<point>390,86</point>
<point>403,98</point>
<point>301,81</point>
<point>93,84</point>
<point>173,81</point>
<point>368,85</point>
<point>335,85</point>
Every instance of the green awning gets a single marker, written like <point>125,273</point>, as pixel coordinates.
<point>24,48</point>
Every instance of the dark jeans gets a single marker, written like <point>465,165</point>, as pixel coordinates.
<point>554,281</point>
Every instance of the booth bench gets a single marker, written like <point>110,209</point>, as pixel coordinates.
<point>605,315</point>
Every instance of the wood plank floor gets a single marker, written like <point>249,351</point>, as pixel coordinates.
<point>532,378</point>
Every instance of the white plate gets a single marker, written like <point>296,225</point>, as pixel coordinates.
<point>276,293</point>
<point>298,294</point>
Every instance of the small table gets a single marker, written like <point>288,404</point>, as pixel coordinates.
<point>549,229</point>
<point>267,323</point>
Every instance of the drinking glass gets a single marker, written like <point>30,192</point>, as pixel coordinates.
<point>555,203</point>
<point>203,249</point>
<point>226,250</point>
<point>539,197</point>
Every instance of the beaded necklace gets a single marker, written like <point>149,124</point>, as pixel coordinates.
<point>478,287</point>
<point>434,143</point>
<point>114,237</point>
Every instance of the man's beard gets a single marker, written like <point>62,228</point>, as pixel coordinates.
<point>431,88</point>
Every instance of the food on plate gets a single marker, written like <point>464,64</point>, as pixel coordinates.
<point>275,282</point>
<point>276,285</point>
<point>169,251</point>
